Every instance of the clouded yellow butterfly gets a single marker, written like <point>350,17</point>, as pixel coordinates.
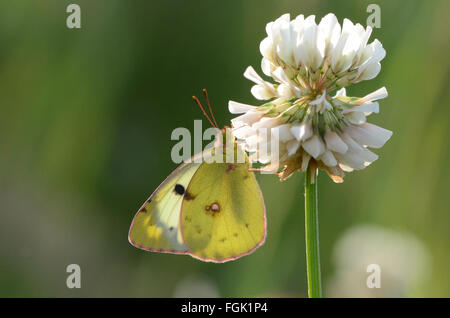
<point>212,211</point>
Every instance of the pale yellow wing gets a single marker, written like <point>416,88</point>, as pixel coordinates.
<point>156,226</point>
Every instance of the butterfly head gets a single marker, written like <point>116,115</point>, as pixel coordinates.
<point>225,140</point>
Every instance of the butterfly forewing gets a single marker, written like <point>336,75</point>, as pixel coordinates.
<point>156,226</point>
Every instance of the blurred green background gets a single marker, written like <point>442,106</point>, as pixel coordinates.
<point>85,122</point>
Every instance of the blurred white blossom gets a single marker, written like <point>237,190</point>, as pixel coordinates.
<point>403,259</point>
<point>307,62</point>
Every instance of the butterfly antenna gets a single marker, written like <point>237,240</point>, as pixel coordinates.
<point>205,92</point>
<point>203,110</point>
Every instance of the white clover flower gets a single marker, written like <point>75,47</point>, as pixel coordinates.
<point>307,62</point>
<point>403,258</point>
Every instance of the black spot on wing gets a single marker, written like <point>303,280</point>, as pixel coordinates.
<point>179,189</point>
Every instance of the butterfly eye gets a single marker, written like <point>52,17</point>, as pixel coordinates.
<point>179,189</point>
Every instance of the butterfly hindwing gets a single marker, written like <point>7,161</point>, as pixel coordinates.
<point>225,217</point>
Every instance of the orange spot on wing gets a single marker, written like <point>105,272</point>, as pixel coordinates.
<point>231,167</point>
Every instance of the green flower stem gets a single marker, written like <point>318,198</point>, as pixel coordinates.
<point>312,236</point>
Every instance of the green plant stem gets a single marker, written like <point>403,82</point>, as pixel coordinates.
<point>312,237</point>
